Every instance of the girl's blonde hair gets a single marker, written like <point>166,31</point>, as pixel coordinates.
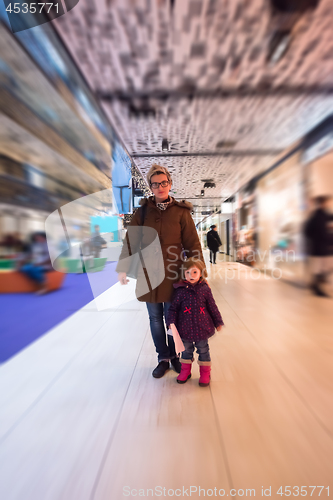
<point>187,264</point>
<point>156,170</point>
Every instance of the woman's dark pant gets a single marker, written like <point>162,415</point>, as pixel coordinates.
<point>164,344</point>
<point>212,256</point>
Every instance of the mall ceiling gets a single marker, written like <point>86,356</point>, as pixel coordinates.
<point>229,83</point>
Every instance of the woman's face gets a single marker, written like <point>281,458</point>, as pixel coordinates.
<point>193,274</point>
<point>160,193</point>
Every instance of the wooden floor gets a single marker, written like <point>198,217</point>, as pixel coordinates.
<point>83,419</point>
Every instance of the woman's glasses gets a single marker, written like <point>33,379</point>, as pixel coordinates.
<point>156,185</point>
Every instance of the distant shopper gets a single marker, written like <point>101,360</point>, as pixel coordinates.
<point>213,243</point>
<point>36,261</point>
<point>319,241</point>
<point>87,249</point>
<point>97,242</point>
<point>195,314</point>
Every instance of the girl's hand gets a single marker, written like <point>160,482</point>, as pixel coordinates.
<point>122,278</point>
<point>219,328</point>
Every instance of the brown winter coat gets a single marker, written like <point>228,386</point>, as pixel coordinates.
<point>176,230</point>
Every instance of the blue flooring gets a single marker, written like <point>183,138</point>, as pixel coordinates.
<point>24,317</point>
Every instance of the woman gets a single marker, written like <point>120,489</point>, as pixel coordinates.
<point>213,243</point>
<point>175,228</point>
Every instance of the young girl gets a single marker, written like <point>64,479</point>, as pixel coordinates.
<point>195,314</point>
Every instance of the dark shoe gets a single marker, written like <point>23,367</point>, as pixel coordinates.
<point>161,369</point>
<point>176,364</point>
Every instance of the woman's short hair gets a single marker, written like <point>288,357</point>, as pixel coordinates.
<point>187,264</point>
<point>157,170</point>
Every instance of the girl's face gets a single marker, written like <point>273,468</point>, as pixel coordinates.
<point>193,274</point>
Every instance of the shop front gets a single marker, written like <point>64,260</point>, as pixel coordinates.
<point>281,211</point>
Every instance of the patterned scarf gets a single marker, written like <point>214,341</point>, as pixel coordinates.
<point>164,205</point>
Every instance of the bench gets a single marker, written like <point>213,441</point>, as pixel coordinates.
<point>7,263</point>
<point>17,282</point>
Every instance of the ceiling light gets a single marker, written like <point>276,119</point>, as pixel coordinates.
<point>285,15</point>
<point>165,145</point>
<point>226,144</point>
<point>278,46</point>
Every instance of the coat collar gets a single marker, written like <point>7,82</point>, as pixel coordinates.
<point>151,202</point>
<point>184,284</point>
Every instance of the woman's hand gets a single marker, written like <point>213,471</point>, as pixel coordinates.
<point>122,278</point>
<point>219,328</point>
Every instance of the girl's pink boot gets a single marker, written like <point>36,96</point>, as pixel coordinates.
<point>185,372</point>
<point>204,375</point>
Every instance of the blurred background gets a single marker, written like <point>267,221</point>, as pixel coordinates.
<point>235,98</point>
